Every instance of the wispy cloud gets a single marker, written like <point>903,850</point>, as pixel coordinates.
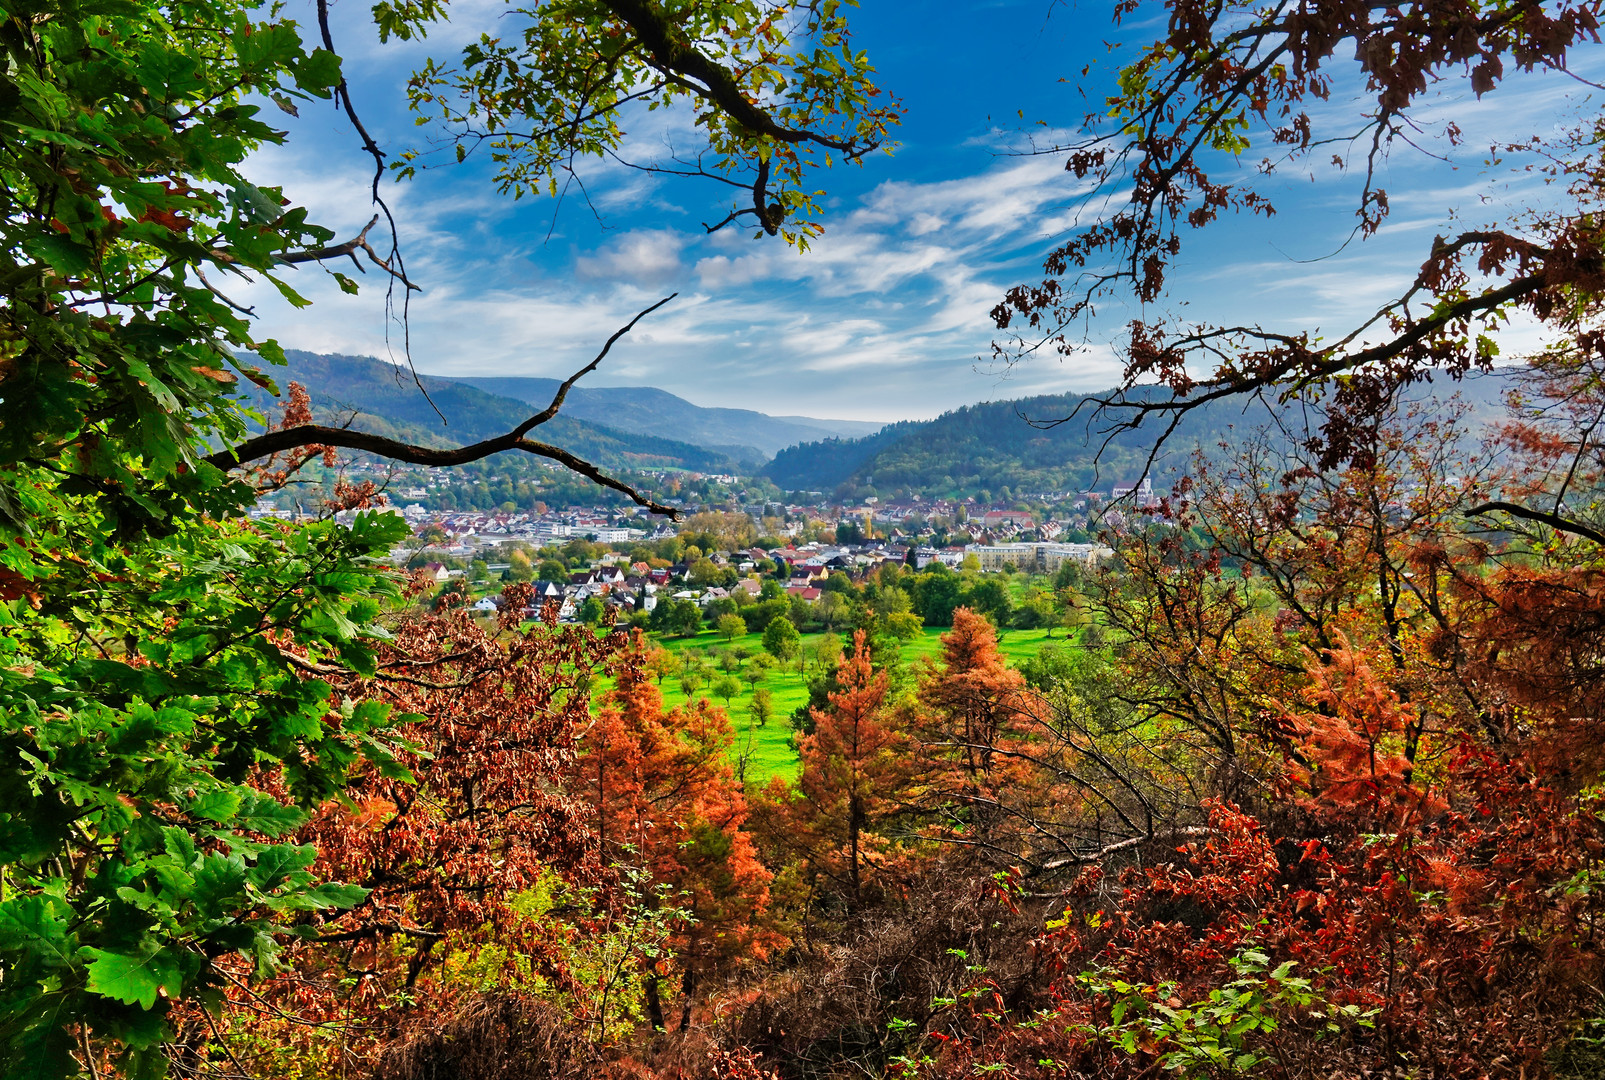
<point>640,257</point>
<point>887,315</point>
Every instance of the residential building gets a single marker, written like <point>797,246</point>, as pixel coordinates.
<point>1036,558</point>
<point>1143,491</point>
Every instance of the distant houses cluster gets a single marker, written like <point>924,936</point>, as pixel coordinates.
<point>798,551</point>
<point>629,588</point>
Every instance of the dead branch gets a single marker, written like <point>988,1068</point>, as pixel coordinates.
<point>349,250</point>
<point>275,442</point>
<point>1542,517</point>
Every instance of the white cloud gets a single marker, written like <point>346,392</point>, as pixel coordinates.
<point>885,317</point>
<point>647,256</point>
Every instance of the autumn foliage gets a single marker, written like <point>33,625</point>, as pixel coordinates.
<point>972,716</point>
<point>447,842</point>
<point>1314,790</point>
<point>1329,801</point>
<point>856,765</point>
<point>1324,800</point>
<point>663,796</point>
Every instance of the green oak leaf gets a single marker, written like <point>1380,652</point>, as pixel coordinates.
<point>132,978</point>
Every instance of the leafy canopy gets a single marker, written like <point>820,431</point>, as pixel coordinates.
<point>776,88</point>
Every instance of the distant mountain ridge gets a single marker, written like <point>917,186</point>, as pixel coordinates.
<point>380,398</point>
<point>985,447</point>
<point>999,446</point>
<point>649,411</point>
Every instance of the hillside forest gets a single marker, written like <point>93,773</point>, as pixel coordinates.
<point>1304,780</point>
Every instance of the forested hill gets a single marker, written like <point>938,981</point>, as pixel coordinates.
<point>987,447</point>
<point>386,401</point>
<point>645,410</point>
<point>1004,444</point>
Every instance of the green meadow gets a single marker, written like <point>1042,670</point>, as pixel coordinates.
<point>763,751</point>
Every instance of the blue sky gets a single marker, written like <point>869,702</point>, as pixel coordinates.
<point>886,317</point>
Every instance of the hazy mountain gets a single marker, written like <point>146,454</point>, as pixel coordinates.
<point>1011,444</point>
<point>979,448</point>
<point>648,411</point>
<point>384,399</point>
<point>985,447</point>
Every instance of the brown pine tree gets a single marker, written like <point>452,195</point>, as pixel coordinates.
<point>666,798</point>
<point>973,718</point>
<point>855,767</point>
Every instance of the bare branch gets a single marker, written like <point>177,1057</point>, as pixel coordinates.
<point>1121,845</point>
<point>1329,362</point>
<point>274,442</point>
<point>349,249</point>
<point>215,291</point>
<point>1542,517</point>
<point>562,391</point>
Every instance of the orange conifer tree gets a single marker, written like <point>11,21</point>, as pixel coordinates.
<point>973,712</point>
<point>666,798</point>
<point>972,695</point>
<point>855,766</point>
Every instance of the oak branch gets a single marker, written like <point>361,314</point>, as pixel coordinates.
<point>276,442</point>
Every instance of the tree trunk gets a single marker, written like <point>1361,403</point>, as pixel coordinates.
<point>855,820</point>
<point>654,1003</point>
<point>687,986</point>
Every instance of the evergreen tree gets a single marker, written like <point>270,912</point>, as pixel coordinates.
<point>855,765</point>
<point>666,798</point>
<point>973,715</point>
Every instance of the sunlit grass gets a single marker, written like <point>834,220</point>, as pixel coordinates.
<point>768,750</point>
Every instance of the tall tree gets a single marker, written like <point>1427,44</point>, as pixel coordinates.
<point>973,715</point>
<point>855,765</point>
<point>665,798</point>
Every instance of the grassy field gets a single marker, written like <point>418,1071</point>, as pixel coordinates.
<point>767,749</point>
